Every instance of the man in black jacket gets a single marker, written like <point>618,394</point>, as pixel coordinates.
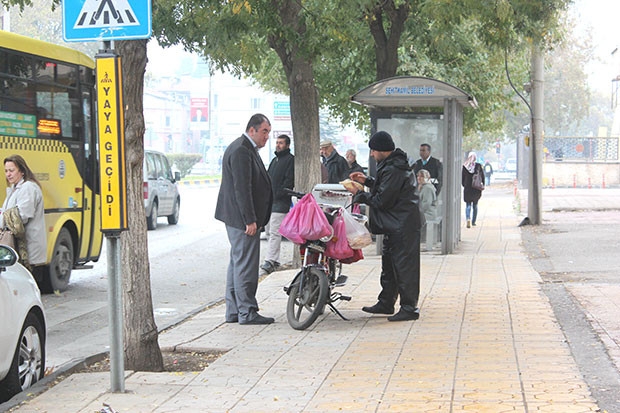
<point>394,212</point>
<point>282,173</point>
<point>337,166</point>
<point>432,165</point>
<point>351,157</point>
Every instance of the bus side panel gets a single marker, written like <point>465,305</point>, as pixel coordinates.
<point>62,187</point>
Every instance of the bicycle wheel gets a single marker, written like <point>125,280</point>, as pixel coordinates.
<point>305,305</point>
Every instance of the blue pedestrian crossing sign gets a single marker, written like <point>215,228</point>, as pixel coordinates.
<point>92,20</point>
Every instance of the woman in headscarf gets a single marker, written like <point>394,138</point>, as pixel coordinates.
<point>471,195</point>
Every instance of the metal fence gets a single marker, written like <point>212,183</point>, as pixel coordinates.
<point>587,149</point>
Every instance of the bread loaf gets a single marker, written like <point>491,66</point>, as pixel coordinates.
<point>350,184</point>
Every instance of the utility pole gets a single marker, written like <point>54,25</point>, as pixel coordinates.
<point>534,210</point>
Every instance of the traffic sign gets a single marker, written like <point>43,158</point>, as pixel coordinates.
<point>112,171</point>
<point>99,20</point>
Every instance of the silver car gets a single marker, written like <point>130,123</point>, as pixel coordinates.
<point>161,192</point>
<point>22,327</point>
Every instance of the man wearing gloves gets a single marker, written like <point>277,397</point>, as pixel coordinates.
<point>395,214</point>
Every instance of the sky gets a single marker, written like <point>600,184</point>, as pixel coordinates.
<point>603,18</point>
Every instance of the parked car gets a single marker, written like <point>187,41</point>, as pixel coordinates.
<point>161,191</point>
<point>22,327</point>
<point>511,165</point>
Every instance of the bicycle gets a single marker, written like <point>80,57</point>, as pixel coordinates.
<point>312,288</point>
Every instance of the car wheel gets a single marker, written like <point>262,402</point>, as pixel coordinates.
<point>28,364</point>
<point>59,269</point>
<point>151,220</point>
<point>174,217</point>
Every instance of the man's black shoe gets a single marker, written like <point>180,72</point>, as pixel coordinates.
<point>378,308</point>
<point>259,319</point>
<point>403,315</point>
<point>232,319</point>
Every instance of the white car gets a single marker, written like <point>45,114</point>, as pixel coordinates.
<point>22,327</point>
<point>511,165</point>
<point>161,191</point>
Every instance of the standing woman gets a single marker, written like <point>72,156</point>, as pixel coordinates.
<point>23,213</point>
<point>471,195</point>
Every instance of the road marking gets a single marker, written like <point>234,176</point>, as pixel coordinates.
<point>105,14</point>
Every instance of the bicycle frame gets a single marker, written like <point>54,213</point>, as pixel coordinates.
<point>312,287</point>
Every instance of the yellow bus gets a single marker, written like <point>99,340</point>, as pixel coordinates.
<point>47,115</point>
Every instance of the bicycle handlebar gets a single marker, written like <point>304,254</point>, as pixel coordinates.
<point>294,193</point>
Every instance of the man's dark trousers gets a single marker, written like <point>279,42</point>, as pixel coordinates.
<point>400,270</point>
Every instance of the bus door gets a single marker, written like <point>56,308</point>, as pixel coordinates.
<point>91,224</point>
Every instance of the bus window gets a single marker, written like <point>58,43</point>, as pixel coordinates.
<point>17,96</point>
<point>15,65</point>
<point>88,125</point>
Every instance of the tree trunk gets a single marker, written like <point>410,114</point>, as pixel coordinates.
<point>387,41</point>
<point>303,96</point>
<point>142,352</point>
<point>305,120</point>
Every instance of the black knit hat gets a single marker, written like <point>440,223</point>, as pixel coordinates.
<point>381,141</point>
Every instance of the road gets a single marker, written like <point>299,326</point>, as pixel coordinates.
<point>576,251</point>
<point>187,263</point>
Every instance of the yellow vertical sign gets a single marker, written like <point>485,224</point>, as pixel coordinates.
<point>111,126</point>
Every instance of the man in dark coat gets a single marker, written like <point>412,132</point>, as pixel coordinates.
<point>282,173</point>
<point>351,158</point>
<point>244,205</point>
<point>337,166</point>
<point>394,212</point>
<point>432,165</point>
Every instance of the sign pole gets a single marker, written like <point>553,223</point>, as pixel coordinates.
<point>107,21</point>
<point>115,313</point>
<point>112,173</point>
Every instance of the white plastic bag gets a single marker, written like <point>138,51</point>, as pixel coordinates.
<point>357,233</point>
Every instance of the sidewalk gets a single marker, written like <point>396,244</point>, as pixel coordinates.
<point>486,341</point>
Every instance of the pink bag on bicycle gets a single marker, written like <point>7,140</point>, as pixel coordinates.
<point>338,247</point>
<point>305,221</point>
<point>358,255</point>
<point>289,227</point>
<point>313,223</point>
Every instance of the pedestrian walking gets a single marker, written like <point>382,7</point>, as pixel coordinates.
<point>488,171</point>
<point>395,214</point>
<point>282,173</point>
<point>244,205</point>
<point>471,195</point>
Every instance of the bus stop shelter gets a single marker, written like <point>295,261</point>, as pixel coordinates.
<point>417,110</point>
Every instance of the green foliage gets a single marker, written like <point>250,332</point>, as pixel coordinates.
<point>42,19</point>
<point>462,42</point>
<point>184,161</point>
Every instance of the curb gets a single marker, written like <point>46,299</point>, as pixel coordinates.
<point>48,381</point>
<point>75,365</point>
<point>200,182</point>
